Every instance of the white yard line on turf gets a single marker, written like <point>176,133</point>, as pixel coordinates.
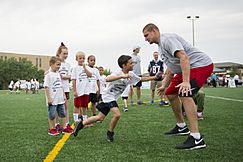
<point>223,98</point>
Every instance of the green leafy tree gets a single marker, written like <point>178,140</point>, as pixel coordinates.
<point>233,71</point>
<point>11,69</point>
<point>107,72</point>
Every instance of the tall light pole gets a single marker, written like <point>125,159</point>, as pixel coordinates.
<point>193,19</point>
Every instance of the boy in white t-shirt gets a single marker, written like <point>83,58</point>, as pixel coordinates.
<point>80,81</point>
<point>118,81</point>
<point>11,86</point>
<point>28,86</point>
<point>37,83</point>
<point>102,82</point>
<point>94,83</point>
<point>55,96</point>
<point>124,96</point>
<point>65,72</point>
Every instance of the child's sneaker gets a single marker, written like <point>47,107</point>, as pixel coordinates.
<point>200,115</point>
<point>131,103</point>
<point>53,132</point>
<point>141,103</point>
<point>59,128</point>
<point>163,103</point>
<point>151,102</point>
<point>78,125</point>
<point>125,109</point>
<point>67,131</point>
<point>69,127</point>
<point>110,137</point>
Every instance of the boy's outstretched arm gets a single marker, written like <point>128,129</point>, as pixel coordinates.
<point>159,75</point>
<point>111,78</point>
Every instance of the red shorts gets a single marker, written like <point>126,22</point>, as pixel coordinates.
<point>81,101</point>
<point>198,77</point>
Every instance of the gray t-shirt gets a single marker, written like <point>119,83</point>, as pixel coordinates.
<point>137,64</point>
<point>170,43</point>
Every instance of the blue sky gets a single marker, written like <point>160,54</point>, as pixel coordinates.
<point>109,28</point>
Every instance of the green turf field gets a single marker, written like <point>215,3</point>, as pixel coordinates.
<point>138,136</point>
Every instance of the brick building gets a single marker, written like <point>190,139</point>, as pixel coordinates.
<point>40,61</point>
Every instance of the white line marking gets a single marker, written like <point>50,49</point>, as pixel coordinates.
<point>223,98</point>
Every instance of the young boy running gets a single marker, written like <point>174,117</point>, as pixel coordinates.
<point>118,81</point>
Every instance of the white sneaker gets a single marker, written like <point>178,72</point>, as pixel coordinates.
<point>200,115</point>
<point>125,109</point>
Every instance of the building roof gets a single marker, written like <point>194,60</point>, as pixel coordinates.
<point>217,70</point>
<point>228,64</point>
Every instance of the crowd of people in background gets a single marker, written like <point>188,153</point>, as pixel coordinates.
<point>29,86</point>
<point>224,80</point>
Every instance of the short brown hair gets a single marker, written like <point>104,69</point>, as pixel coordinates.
<point>149,27</point>
<point>53,60</point>
<point>123,59</point>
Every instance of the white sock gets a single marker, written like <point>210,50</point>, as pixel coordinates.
<point>85,117</point>
<point>195,135</point>
<point>67,124</point>
<point>199,113</point>
<point>75,117</point>
<point>181,125</point>
<point>56,124</point>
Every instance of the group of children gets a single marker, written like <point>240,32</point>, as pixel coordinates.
<point>89,85</point>
<point>86,87</point>
<point>32,86</point>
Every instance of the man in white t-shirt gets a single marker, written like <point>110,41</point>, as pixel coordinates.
<point>117,83</point>
<point>236,78</point>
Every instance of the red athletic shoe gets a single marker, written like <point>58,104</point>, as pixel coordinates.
<point>69,127</point>
<point>59,128</point>
<point>67,131</point>
<point>53,132</point>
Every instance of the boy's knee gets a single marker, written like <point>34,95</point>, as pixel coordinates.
<point>62,115</point>
<point>52,116</point>
<point>100,118</point>
<point>117,115</point>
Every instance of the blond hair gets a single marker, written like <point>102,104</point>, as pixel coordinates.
<point>80,53</point>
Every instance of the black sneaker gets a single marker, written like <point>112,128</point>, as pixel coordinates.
<point>191,143</point>
<point>141,103</point>
<point>110,136</point>
<point>178,131</point>
<point>78,125</point>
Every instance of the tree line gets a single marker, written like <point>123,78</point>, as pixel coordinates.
<point>11,69</point>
